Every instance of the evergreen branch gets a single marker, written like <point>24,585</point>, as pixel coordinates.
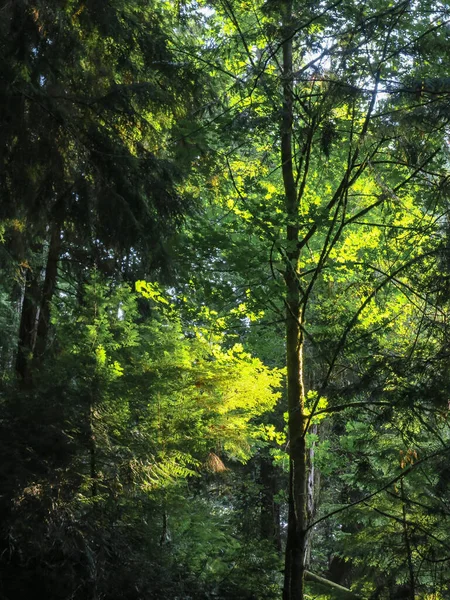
<point>402,284</point>
<point>384,487</point>
<point>353,322</point>
<point>402,520</point>
<point>426,507</point>
<point>341,407</point>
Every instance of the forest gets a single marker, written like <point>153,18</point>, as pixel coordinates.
<point>224,299</point>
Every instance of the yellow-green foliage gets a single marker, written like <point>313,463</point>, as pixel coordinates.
<point>163,396</point>
<point>218,391</point>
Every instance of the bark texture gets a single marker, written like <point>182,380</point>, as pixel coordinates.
<point>48,290</point>
<point>27,327</point>
<point>270,509</point>
<point>297,520</point>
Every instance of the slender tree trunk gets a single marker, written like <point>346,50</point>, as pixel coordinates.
<point>412,592</point>
<point>92,452</point>
<point>9,260</point>
<point>27,327</point>
<point>297,521</point>
<point>35,313</point>
<point>48,290</point>
<point>163,539</point>
<point>270,510</point>
<point>313,487</point>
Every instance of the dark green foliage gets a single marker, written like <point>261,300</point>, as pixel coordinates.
<point>143,455</point>
<point>86,90</point>
<point>99,455</point>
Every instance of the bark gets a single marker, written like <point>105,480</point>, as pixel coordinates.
<point>338,569</point>
<point>412,593</point>
<point>164,533</point>
<point>27,327</point>
<point>35,312</point>
<point>297,520</point>
<point>313,479</point>
<point>92,452</point>
<point>313,488</point>
<point>10,258</point>
<point>270,509</point>
<point>48,291</point>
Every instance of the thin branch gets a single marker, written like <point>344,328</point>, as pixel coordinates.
<point>384,487</point>
<point>341,407</point>
<point>353,322</point>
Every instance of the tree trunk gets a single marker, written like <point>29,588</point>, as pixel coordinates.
<point>10,258</point>
<point>412,592</point>
<point>92,451</point>
<point>35,313</point>
<point>48,291</point>
<point>270,510</point>
<point>27,327</point>
<point>313,488</point>
<point>297,520</point>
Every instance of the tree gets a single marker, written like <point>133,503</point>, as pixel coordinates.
<point>135,408</point>
<point>331,76</point>
<point>141,445</point>
<point>91,100</point>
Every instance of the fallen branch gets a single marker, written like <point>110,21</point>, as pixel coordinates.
<point>337,591</point>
